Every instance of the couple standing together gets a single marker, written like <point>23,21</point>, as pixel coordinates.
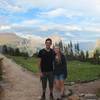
<point>52,67</point>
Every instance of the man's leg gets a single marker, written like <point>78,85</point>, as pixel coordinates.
<point>44,86</point>
<point>51,83</point>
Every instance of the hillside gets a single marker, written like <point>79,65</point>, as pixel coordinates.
<point>9,38</point>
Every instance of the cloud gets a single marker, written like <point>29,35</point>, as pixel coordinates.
<point>69,34</point>
<point>9,6</point>
<point>60,27</point>
<point>28,23</point>
<point>93,29</point>
<point>61,12</point>
<point>56,37</point>
<point>37,26</point>
<point>5,27</point>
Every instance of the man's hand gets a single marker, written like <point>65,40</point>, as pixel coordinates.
<point>41,74</point>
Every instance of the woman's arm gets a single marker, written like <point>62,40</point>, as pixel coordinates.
<point>64,60</point>
<point>65,66</point>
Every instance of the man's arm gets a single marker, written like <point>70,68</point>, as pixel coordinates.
<point>39,66</point>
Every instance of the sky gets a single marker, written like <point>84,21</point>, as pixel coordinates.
<point>75,20</point>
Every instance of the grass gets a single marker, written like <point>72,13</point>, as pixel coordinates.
<point>29,63</point>
<point>77,71</point>
<point>83,71</point>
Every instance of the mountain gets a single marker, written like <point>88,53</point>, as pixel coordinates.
<point>98,43</point>
<point>30,44</point>
<point>15,41</point>
<point>9,38</point>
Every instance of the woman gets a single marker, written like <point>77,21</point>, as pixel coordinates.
<point>60,71</point>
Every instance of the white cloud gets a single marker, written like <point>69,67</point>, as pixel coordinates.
<point>30,22</point>
<point>45,26</point>
<point>60,27</point>
<point>69,34</point>
<point>5,27</point>
<point>92,29</point>
<point>61,12</point>
<point>10,7</point>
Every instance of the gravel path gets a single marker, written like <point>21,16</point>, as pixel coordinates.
<point>19,84</point>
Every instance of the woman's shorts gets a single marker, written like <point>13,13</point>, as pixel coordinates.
<point>59,77</point>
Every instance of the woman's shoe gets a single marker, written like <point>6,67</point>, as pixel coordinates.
<point>51,97</point>
<point>58,99</point>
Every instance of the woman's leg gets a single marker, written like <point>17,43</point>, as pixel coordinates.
<point>57,88</point>
<point>62,87</point>
<point>57,85</point>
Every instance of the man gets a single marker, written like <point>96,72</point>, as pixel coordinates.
<point>46,56</point>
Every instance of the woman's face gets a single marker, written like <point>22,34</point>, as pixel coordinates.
<point>57,50</point>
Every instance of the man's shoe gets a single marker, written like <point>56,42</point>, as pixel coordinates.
<point>43,97</point>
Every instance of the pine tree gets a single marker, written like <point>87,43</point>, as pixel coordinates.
<point>82,56</point>
<point>61,45</point>
<point>77,50</point>
<point>17,52</point>
<point>96,57</point>
<point>87,55</point>
<point>5,50</point>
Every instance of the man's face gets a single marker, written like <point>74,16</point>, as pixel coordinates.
<point>48,44</point>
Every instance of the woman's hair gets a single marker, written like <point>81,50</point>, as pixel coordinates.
<point>58,56</point>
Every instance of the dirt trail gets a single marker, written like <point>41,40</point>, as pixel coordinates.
<point>19,84</point>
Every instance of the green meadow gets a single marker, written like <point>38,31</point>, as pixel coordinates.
<point>77,71</point>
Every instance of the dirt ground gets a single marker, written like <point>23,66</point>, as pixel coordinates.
<point>20,84</point>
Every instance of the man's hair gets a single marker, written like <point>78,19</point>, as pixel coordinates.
<point>48,39</point>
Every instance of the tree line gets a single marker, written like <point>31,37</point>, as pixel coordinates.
<point>73,52</point>
<point>13,51</point>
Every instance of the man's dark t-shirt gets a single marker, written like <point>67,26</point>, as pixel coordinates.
<point>47,58</point>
